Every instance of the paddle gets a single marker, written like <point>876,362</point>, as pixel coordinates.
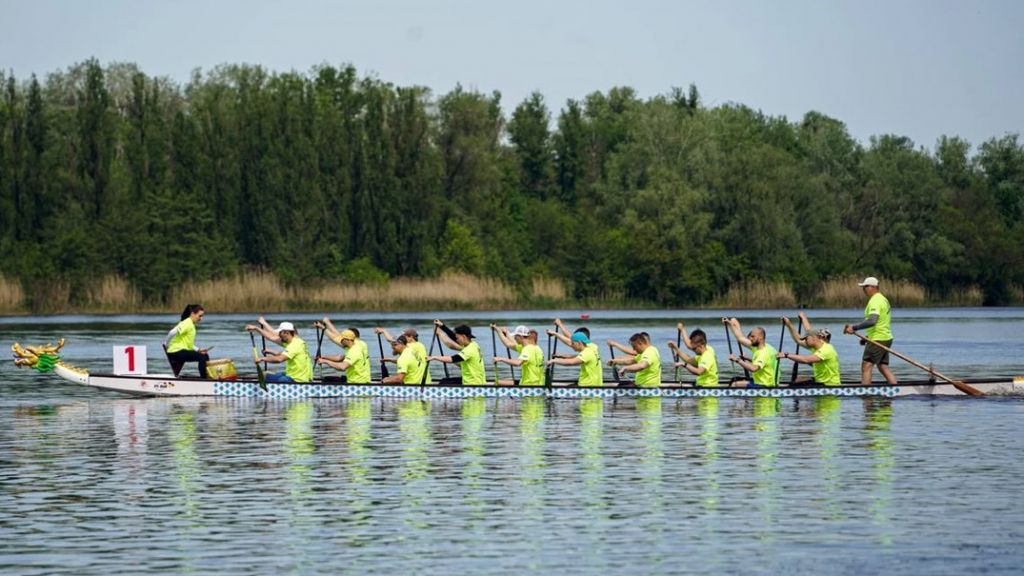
<point>728,340</point>
<point>511,367</point>
<point>796,365</point>
<point>679,343</point>
<point>383,365</point>
<point>494,354</point>
<point>440,350</point>
<point>782,335</point>
<point>961,386</point>
<point>549,374</point>
<point>260,376</point>
<point>618,378</point>
<point>319,344</point>
<point>263,341</point>
<point>426,369</point>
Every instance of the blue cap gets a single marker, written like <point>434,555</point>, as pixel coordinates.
<point>580,337</point>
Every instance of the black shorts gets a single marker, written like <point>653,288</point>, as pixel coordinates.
<point>875,355</point>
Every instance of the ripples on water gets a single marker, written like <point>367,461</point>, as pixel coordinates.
<point>503,486</point>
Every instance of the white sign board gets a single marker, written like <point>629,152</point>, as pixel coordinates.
<point>129,359</point>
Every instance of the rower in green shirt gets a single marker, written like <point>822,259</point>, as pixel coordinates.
<point>587,357</point>
<point>823,358</point>
<point>704,363</point>
<point>763,364</point>
<point>410,365</point>
<point>469,358</point>
<point>413,339</point>
<point>355,361</point>
<point>642,358</point>
<point>878,321</point>
<point>531,359</point>
<point>298,365</point>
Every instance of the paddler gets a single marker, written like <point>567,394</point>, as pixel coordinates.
<point>469,358</point>
<point>641,358</point>
<point>412,337</point>
<point>531,358</point>
<point>704,363</point>
<point>763,365</point>
<point>587,357</point>
<point>514,339</point>
<point>354,361</point>
<point>180,342</point>
<point>878,321</point>
<point>410,367</point>
<point>822,358</point>
<point>298,365</point>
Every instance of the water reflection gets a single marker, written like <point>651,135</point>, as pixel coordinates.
<point>827,410</point>
<point>300,450</point>
<point>186,467</point>
<point>766,427</point>
<point>414,432</point>
<point>707,410</point>
<point>474,414</point>
<point>877,428</point>
<point>358,416</point>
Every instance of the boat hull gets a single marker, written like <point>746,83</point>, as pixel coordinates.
<point>167,385</point>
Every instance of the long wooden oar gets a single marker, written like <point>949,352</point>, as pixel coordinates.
<point>618,378</point>
<point>782,336</point>
<point>383,365</point>
<point>961,386</point>
<point>261,377</point>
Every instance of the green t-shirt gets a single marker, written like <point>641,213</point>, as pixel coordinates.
<point>882,330</point>
<point>649,377</point>
<point>421,353</point>
<point>410,364</point>
<point>185,339</point>
<point>764,358</point>
<point>472,365</point>
<point>299,366</point>
<point>358,358</point>
<point>709,363</point>
<point>533,366</point>
<point>590,370</point>
<point>826,369</point>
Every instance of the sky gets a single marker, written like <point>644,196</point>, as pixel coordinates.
<point>917,68</point>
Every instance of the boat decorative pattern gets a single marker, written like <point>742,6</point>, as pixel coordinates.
<point>314,390</point>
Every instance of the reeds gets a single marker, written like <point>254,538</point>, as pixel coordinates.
<point>845,293</point>
<point>757,294</point>
<point>111,294</point>
<point>11,296</point>
<point>970,296</point>
<point>548,289</point>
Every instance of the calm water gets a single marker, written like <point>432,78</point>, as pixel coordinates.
<point>93,482</point>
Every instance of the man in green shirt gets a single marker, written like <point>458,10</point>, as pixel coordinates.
<point>413,339</point>
<point>763,364</point>
<point>822,358</point>
<point>704,364</point>
<point>878,321</point>
<point>642,358</point>
<point>469,357</point>
<point>355,362</point>
<point>410,366</point>
<point>587,357</point>
<point>298,365</point>
<point>531,359</point>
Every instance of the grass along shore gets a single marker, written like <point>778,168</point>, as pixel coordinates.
<point>263,291</point>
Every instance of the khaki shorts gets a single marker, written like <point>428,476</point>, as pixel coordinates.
<point>876,355</point>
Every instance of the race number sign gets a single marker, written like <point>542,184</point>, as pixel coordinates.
<point>129,359</point>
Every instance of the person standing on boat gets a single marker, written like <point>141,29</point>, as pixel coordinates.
<point>763,365</point>
<point>298,365</point>
<point>878,321</point>
<point>180,342</point>
<point>823,358</point>
<point>469,358</point>
<point>704,363</point>
<point>642,358</point>
<point>412,337</point>
<point>588,356</point>
<point>410,366</point>
<point>531,359</point>
<point>355,361</point>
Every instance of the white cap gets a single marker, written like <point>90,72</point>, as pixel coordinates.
<point>869,281</point>
<point>521,331</point>
<point>286,326</point>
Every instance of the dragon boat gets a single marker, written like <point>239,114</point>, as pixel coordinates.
<point>47,359</point>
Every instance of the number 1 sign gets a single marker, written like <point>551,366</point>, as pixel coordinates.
<point>129,359</point>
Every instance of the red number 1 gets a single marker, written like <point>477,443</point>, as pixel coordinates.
<point>130,351</point>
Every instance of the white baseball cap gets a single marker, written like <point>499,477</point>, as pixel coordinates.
<point>521,331</point>
<point>869,281</point>
<point>286,326</point>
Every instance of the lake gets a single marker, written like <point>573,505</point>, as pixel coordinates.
<point>95,482</point>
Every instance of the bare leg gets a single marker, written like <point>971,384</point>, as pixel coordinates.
<point>889,376</point>
<point>865,373</point>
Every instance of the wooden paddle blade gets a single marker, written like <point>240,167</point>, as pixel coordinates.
<point>966,388</point>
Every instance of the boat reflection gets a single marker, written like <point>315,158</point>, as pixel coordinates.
<point>877,427</point>
<point>828,411</point>
<point>414,432</point>
<point>766,428</point>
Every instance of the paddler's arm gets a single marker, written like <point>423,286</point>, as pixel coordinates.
<point>384,332</point>
<point>329,328</point>
<point>744,363</point>
<point>792,329</point>
<point>635,367</point>
<point>333,363</point>
<point>509,361</point>
<point>625,349</point>
<point>446,335</point>
<point>574,361</point>
<point>799,358</point>
<point>737,331</point>
<point>686,337</point>
<point>398,378</point>
<point>567,340</point>
<point>272,358</point>
<point>562,328</point>
<point>267,333</point>
<point>445,359</point>
<point>867,323</point>
<point>503,336</point>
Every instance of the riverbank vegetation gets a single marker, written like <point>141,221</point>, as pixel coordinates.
<point>253,190</point>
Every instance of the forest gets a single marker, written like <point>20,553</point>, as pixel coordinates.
<point>335,176</point>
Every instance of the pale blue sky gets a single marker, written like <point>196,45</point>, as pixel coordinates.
<point>916,68</point>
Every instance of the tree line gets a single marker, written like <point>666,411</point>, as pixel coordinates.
<point>331,175</point>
